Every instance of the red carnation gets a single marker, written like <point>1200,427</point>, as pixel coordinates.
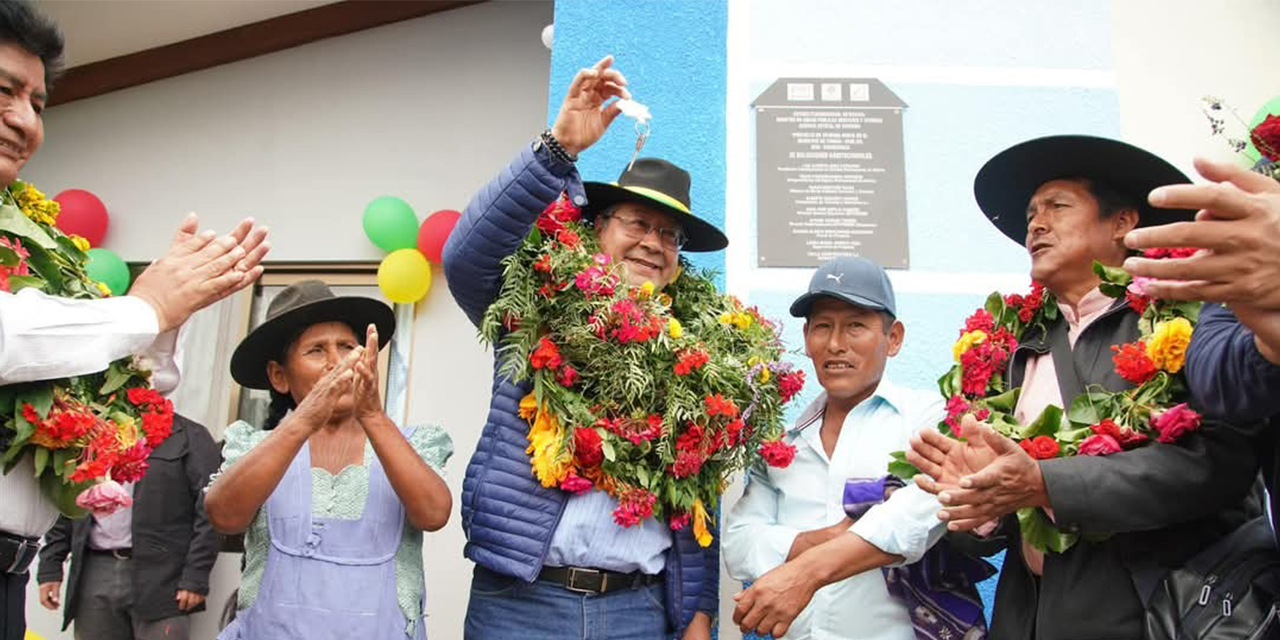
<point>546,356</point>
<point>687,463</point>
<point>1040,447</point>
<point>1266,137</point>
<point>777,453</point>
<point>1133,363</point>
<point>575,484</point>
<point>568,376</point>
<point>588,447</point>
<point>789,384</point>
<point>981,320</point>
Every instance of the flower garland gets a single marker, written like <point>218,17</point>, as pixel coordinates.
<point>1097,422</point>
<point>85,433</point>
<point>653,397</point>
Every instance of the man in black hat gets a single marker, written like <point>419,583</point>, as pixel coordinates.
<point>548,564</point>
<point>1071,200</point>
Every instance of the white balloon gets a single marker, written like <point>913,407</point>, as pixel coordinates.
<point>548,35</point>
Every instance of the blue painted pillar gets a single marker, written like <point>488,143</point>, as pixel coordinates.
<point>673,55</point>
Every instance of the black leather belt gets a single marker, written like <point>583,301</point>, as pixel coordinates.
<point>597,581</point>
<point>118,554</point>
<point>17,552</point>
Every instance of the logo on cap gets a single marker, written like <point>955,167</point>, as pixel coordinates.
<point>836,277</point>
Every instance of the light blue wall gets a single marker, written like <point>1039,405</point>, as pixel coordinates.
<point>673,56</point>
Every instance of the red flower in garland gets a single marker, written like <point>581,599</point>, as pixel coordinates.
<point>588,447</point>
<point>789,384</point>
<point>1159,253</point>
<point>689,360</point>
<point>546,356</point>
<point>679,521</point>
<point>687,463</point>
<point>575,484</point>
<point>1137,302</point>
<point>568,238</point>
<point>543,264</point>
<point>1040,447</point>
<point>131,464</point>
<point>568,376</point>
<point>981,320</point>
<point>557,214</point>
<point>777,453</point>
<point>1174,422</point>
<point>1133,363</point>
<point>718,405</point>
<point>634,505</point>
<point>690,440</point>
<point>734,430</point>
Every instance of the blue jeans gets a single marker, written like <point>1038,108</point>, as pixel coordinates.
<point>504,607</point>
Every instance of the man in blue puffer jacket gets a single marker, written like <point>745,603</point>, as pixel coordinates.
<point>550,564</point>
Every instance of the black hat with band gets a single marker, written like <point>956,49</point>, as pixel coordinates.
<point>1005,184</point>
<point>663,186</point>
<point>299,306</point>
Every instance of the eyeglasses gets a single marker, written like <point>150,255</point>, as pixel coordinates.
<point>639,229</point>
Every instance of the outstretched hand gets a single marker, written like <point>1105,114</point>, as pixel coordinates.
<point>584,116</point>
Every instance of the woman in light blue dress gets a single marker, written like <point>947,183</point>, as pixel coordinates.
<point>332,496</point>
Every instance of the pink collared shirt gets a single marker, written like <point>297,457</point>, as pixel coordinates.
<point>1040,382</point>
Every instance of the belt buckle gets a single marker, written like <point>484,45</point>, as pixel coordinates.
<point>572,583</point>
<point>121,554</point>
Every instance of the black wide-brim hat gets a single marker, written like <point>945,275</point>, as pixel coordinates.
<point>663,186</point>
<point>299,306</point>
<point>1005,184</point>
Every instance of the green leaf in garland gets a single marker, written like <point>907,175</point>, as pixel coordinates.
<point>64,494</point>
<point>18,283</point>
<point>899,466</point>
<point>41,459</point>
<point>117,375</point>
<point>1112,290</point>
<point>43,263</point>
<point>643,475</point>
<point>1087,407</point>
<point>1005,401</point>
<point>607,448</point>
<point>13,221</point>
<point>67,246</point>
<point>64,462</point>
<point>1112,275</point>
<point>8,257</point>
<point>1046,424</point>
<point>37,394</point>
<point>950,382</point>
<point>1042,534</point>
<point>995,306</point>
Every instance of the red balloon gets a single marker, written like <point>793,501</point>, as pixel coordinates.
<point>435,231</point>
<point>82,214</point>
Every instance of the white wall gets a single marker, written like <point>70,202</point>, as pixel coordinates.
<point>426,109</point>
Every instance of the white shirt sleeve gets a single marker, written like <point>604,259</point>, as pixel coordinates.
<point>753,542</point>
<point>45,337</point>
<point>906,524</point>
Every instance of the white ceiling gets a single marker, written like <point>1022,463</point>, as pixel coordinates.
<point>100,29</point>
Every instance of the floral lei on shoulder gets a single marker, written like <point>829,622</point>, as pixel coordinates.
<point>85,433</point>
<point>1097,422</point>
<point>653,397</point>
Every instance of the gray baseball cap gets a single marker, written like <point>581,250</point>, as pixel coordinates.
<point>858,281</point>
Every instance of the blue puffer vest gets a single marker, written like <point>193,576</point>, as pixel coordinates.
<point>507,515</point>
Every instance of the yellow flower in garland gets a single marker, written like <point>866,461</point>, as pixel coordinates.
<point>764,374</point>
<point>700,524</point>
<point>551,462</point>
<point>675,329</point>
<point>739,319</point>
<point>967,341</point>
<point>1167,347</point>
<point>33,203</point>
<point>79,242</point>
<point>103,288</point>
<point>646,289</point>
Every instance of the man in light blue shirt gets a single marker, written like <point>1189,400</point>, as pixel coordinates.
<point>848,432</point>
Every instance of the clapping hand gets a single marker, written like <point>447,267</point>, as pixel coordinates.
<point>318,407</point>
<point>367,393</point>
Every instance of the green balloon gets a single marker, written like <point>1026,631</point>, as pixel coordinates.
<point>107,267</point>
<point>391,224</point>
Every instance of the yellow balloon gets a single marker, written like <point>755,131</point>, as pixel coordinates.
<point>404,276</point>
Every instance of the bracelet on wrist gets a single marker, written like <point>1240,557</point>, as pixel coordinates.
<point>556,149</point>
